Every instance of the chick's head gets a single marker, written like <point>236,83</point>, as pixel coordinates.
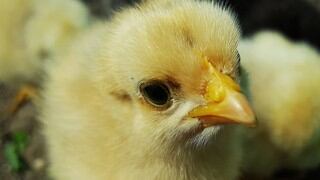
<point>52,24</point>
<point>178,64</point>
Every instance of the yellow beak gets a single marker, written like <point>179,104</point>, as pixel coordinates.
<point>225,103</point>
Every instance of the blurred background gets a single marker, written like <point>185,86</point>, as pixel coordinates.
<point>22,153</point>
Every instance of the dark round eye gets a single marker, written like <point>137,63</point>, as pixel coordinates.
<point>156,93</point>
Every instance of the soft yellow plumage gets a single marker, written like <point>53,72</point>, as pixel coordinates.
<point>13,14</point>
<point>99,122</point>
<point>285,84</point>
<point>34,30</point>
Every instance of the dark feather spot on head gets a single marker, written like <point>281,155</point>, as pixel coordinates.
<point>121,95</point>
<point>187,37</point>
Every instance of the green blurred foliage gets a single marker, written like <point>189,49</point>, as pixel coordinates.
<point>14,149</point>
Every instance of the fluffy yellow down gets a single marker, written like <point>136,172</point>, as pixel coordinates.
<point>284,79</point>
<point>95,121</point>
<point>32,31</point>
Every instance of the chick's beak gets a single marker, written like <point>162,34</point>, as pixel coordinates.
<point>225,104</point>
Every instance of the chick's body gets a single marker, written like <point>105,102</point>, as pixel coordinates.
<point>12,47</point>
<point>34,30</point>
<point>99,126</point>
<point>284,81</point>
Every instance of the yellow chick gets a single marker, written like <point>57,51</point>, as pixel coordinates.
<point>53,24</point>
<point>284,81</point>
<point>13,14</point>
<point>148,96</point>
<point>32,31</point>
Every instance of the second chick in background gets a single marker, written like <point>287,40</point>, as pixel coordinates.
<point>32,31</point>
<point>284,82</point>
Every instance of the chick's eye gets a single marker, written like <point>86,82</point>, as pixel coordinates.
<point>156,93</point>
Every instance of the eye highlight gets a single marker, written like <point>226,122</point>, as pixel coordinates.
<point>156,93</point>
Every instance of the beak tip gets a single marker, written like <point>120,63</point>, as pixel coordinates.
<point>251,124</point>
<point>254,123</point>
<point>225,104</point>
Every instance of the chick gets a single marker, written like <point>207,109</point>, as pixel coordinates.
<point>33,30</point>
<point>53,24</point>
<point>13,14</point>
<point>147,96</point>
<point>284,81</point>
